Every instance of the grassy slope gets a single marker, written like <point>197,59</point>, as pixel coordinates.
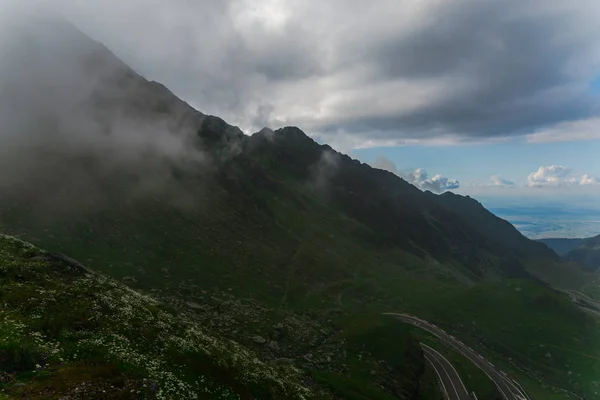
<point>66,332</point>
<point>286,287</point>
<point>516,319</point>
<point>587,253</point>
<point>529,328</point>
<point>560,245</point>
<point>474,379</point>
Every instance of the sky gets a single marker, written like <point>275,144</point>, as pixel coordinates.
<point>496,99</point>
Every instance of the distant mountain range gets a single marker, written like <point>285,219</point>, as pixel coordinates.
<point>583,251</point>
<point>270,246</point>
<point>562,245</point>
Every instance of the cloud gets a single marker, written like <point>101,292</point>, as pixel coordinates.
<point>558,175</point>
<point>585,179</point>
<point>418,177</point>
<point>498,180</point>
<point>585,129</point>
<point>385,164</point>
<point>437,183</point>
<point>387,71</point>
<point>74,119</point>
<point>495,182</point>
<point>322,172</point>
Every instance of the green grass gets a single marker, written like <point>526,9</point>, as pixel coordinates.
<point>58,318</point>
<point>528,328</point>
<point>285,269</point>
<point>592,289</point>
<point>284,250</point>
<point>350,388</point>
<point>475,379</point>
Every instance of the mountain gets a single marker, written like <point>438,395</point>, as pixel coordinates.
<point>271,246</point>
<point>561,245</point>
<point>583,251</point>
<point>587,253</point>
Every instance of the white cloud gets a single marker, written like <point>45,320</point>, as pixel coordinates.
<point>498,180</point>
<point>585,179</point>
<point>437,183</point>
<point>558,175</point>
<point>418,177</point>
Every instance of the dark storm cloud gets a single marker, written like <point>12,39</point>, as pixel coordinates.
<point>506,71</point>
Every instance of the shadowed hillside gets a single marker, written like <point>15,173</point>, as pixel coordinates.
<point>586,253</point>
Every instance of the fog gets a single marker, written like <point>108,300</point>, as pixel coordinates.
<point>74,118</point>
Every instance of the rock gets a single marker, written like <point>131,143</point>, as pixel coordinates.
<point>259,339</point>
<point>279,326</point>
<point>273,345</point>
<point>193,305</point>
<point>151,385</point>
<point>373,372</point>
<point>150,389</point>
<point>548,355</point>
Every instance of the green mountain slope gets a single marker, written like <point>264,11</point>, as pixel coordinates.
<point>285,247</point>
<point>586,253</point>
<point>561,245</point>
<point>69,333</point>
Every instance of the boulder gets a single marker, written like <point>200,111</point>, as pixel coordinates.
<point>259,339</point>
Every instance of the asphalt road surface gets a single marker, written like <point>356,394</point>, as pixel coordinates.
<point>452,385</point>
<point>509,389</point>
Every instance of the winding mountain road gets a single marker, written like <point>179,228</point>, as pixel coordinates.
<point>452,385</point>
<point>509,389</point>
